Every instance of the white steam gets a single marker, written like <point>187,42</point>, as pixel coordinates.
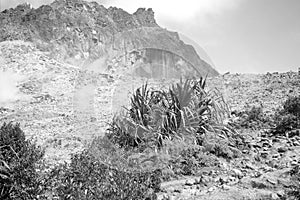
<point>8,87</point>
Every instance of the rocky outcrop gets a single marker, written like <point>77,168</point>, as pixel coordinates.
<point>155,39</point>
<point>77,31</point>
<point>145,17</point>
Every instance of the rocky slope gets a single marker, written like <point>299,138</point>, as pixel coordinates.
<point>262,171</point>
<point>53,102</point>
<point>63,107</point>
<point>269,90</point>
<point>80,32</point>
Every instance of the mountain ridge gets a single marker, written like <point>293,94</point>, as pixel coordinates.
<point>75,31</point>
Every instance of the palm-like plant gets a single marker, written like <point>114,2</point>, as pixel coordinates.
<point>185,109</point>
<point>5,179</point>
<point>141,102</point>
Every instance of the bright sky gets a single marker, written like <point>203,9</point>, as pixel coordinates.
<point>245,36</point>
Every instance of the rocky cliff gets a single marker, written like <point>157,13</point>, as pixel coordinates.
<point>79,32</point>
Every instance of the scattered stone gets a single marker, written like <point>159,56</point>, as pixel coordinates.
<point>255,183</point>
<point>190,182</point>
<point>294,163</point>
<point>250,166</point>
<point>177,190</point>
<point>296,143</point>
<point>226,187</point>
<point>272,181</point>
<point>223,179</point>
<point>237,173</point>
<point>211,189</point>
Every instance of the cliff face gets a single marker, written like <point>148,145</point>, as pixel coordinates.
<point>76,31</point>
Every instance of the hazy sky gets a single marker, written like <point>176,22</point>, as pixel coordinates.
<point>253,36</point>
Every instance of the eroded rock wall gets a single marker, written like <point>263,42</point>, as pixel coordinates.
<point>78,32</point>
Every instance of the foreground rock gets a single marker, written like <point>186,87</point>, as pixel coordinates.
<point>252,176</point>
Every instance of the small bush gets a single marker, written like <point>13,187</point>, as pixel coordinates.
<point>253,118</point>
<point>86,178</point>
<point>293,193</point>
<point>255,114</point>
<point>191,160</point>
<point>219,149</point>
<point>123,132</point>
<point>107,152</point>
<point>287,119</point>
<point>292,106</point>
<point>286,123</point>
<point>18,158</point>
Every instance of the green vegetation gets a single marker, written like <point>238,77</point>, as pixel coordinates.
<point>292,106</point>
<point>293,193</point>
<point>87,178</point>
<point>178,130</point>
<point>184,111</point>
<point>288,119</point>
<point>19,178</point>
<point>282,122</point>
<point>163,134</point>
<point>252,118</point>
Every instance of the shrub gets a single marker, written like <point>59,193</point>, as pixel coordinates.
<point>286,123</point>
<point>293,193</point>
<point>124,132</point>
<point>191,160</point>
<point>255,114</point>
<point>18,158</point>
<point>175,158</point>
<point>104,171</point>
<point>87,178</point>
<point>292,106</point>
<point>287,119</point>
<point>253,118</point>
<point>219,149</point>
<point>108,153</point>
